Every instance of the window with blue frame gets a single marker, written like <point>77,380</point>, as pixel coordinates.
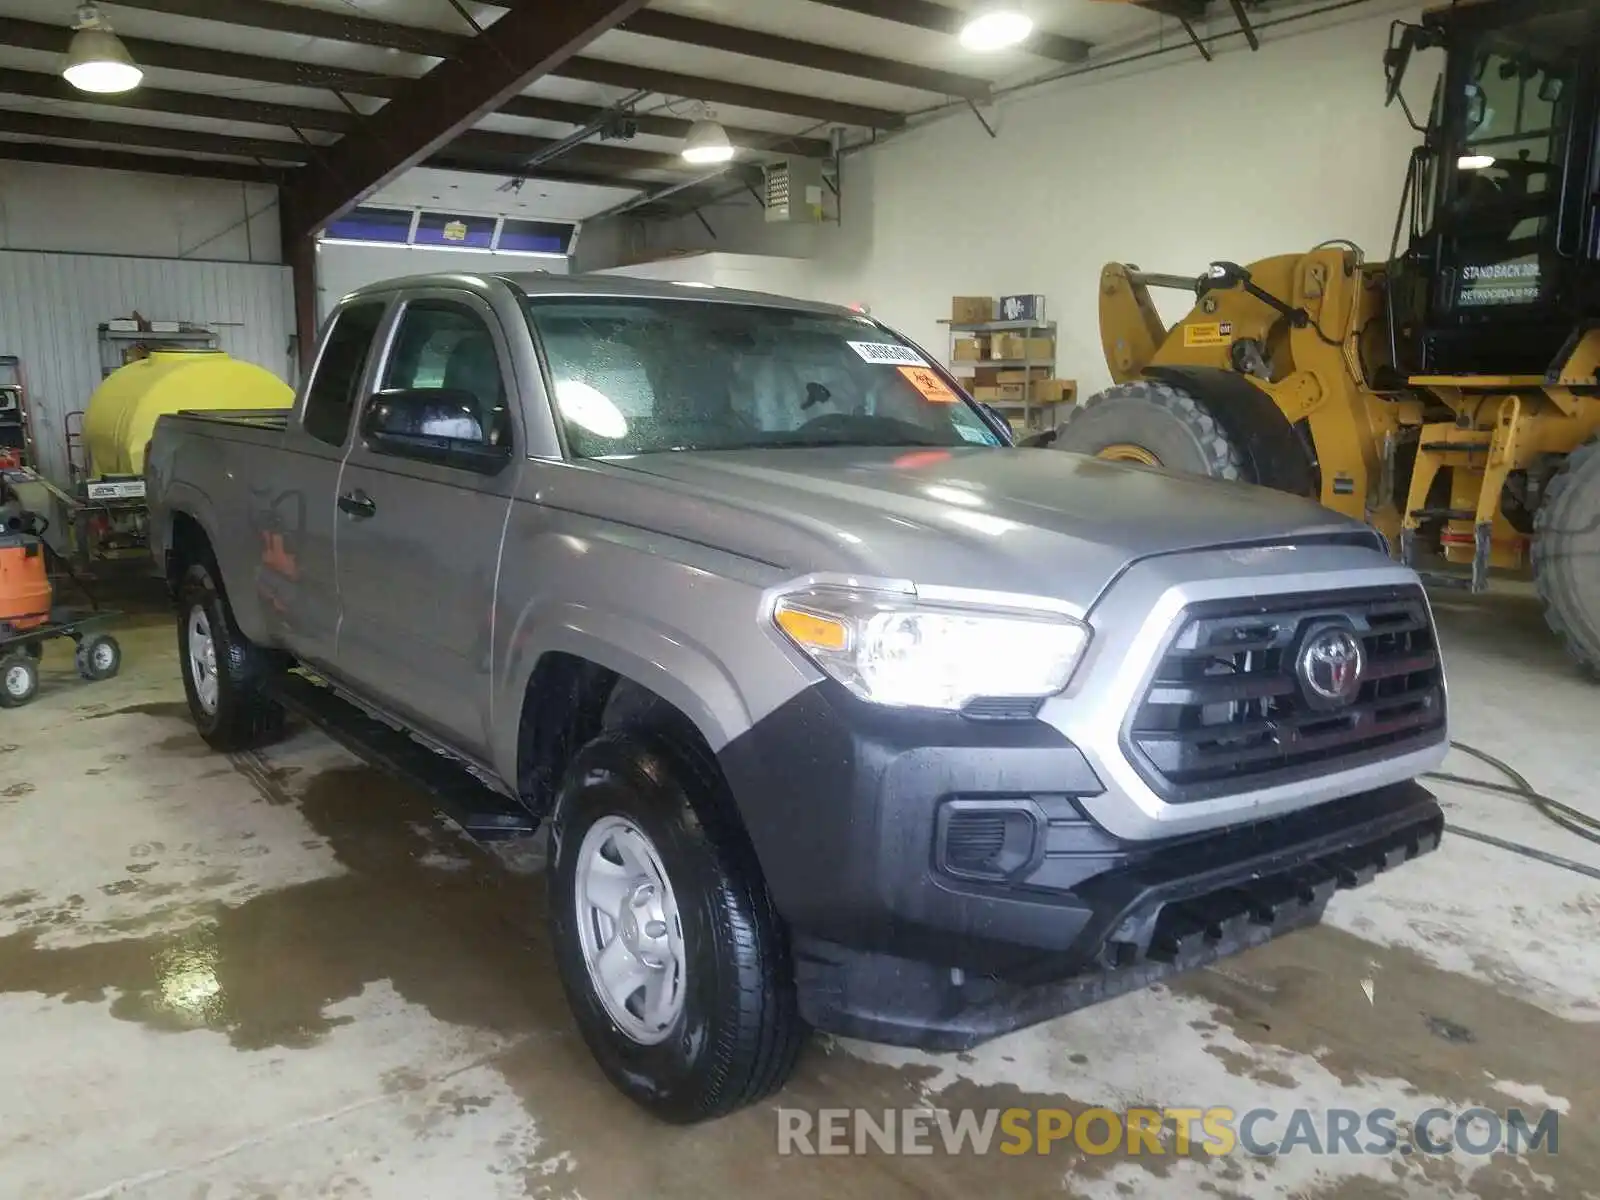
<point>449,229</point>
<point>464,231</point>
<point>372,225</point>
<point>535,237</point>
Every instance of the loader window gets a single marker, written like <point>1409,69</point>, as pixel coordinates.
<point>1510,125</point>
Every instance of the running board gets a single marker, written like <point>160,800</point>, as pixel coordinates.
<point>469,802</point>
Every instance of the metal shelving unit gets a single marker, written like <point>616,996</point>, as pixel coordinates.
<point>1033,411</point>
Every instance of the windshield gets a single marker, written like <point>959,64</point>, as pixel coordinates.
<point>1512,92</point>
<point>637,376</point>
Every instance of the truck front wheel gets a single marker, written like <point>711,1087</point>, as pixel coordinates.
<point>672,958</point>
<point>224,673</point>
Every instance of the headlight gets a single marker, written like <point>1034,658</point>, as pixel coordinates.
<point>892,649</point>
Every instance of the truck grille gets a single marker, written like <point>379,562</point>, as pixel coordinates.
<point>1228,709</point>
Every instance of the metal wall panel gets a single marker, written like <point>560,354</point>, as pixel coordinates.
<point>52,305</point>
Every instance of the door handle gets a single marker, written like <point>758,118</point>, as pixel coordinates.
<point>357,504</point>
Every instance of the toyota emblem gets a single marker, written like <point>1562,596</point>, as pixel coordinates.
<point>1329,666</point>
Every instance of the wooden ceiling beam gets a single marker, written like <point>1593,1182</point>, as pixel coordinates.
<point>428,113</point>
<point>692,31</point>
<point>276,16</point>
<point>121,160</point>
<point>124,133</point>
<point>942,18</point>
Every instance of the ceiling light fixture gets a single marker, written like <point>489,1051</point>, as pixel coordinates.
<point>97,61</point>
<point>1474,162</point>
<point>707,142</point>
<point>995,30</point>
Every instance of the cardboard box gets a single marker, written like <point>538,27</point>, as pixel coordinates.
<point>969,349</point>
<point>967,309</point>
<point>998,393</point>
<point>1022,376</point>
<point>1055,391</point>
<point>1015,346</point>
<point>1040,391</point>
<point>1022,308</point>
<point>1007,345</point>
<point>988,376</point>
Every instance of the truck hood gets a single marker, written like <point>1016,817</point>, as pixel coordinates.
<point>1040,522</point>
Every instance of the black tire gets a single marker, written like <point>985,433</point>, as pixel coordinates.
<point>99,656</point>
<point>19,680</point>
<point>739,1033</point>
<point>1169,424</point>
<point>1566,555</point>
<point>243,716</point>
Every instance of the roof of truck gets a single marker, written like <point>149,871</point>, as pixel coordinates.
<point>540,283</point>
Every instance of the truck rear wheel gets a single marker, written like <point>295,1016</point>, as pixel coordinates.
<point>1566,555</point>
<point>224,673</point>
<point>672,958</point>
<point>1156,424</point>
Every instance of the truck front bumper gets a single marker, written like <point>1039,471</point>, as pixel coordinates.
<point>943,884</point>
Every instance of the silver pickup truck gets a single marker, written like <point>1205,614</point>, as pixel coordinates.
<point>843,711</point>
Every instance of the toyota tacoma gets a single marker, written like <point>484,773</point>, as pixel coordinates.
<point>843,711</point>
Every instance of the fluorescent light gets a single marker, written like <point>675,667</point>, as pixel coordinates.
<point>97,61</point>
<point>1474,162</point>
<point>995,30</point>
<point>707,142</point>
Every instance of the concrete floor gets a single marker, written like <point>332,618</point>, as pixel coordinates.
<point>282,976</point>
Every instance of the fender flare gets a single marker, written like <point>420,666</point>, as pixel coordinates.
<point>680,672</point>
<point>1273,454</point>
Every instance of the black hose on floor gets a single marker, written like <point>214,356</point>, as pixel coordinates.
<point>1571,819</point>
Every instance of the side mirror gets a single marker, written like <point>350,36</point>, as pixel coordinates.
<point>437,425</point>
<point>1398,55</point>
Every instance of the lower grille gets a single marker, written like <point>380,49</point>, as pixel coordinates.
<point>974,842</point>
<point>1228,710</point>
<point>986,839</point>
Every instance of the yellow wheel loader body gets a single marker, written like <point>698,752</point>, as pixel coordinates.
<point>1469,432</point>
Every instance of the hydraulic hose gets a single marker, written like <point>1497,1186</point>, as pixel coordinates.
<point>1571,819</point>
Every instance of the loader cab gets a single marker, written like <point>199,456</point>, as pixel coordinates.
<point>1503,247</point>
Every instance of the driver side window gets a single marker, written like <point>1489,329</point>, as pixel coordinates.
<point>443,346</point>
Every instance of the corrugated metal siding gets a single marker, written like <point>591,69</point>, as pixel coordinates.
<point>52,305</point>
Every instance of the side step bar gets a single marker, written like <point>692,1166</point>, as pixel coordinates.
<point>460,795</point>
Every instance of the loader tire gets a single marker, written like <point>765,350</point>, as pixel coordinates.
<point>1156,424</point>
<point>1566,556</point>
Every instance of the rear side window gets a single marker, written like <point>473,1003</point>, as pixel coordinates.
<point>331,398</point>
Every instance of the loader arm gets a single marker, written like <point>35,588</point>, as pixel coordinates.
<point>1131,331</point>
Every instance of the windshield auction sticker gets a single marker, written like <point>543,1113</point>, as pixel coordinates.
<point>930,385</point>
<point>890,354</point>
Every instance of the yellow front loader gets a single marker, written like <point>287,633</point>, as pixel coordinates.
<point>1449,396</point>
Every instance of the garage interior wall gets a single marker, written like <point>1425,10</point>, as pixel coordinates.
<point>1169,163</point>
<point>344,266</point>
<point>89,211</point>
<point>79,247</point>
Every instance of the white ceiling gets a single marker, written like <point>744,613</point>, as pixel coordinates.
<point>1103,22</point>
<point>470,192</point>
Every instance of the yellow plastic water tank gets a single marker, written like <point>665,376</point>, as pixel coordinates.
<point>122,413</point>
